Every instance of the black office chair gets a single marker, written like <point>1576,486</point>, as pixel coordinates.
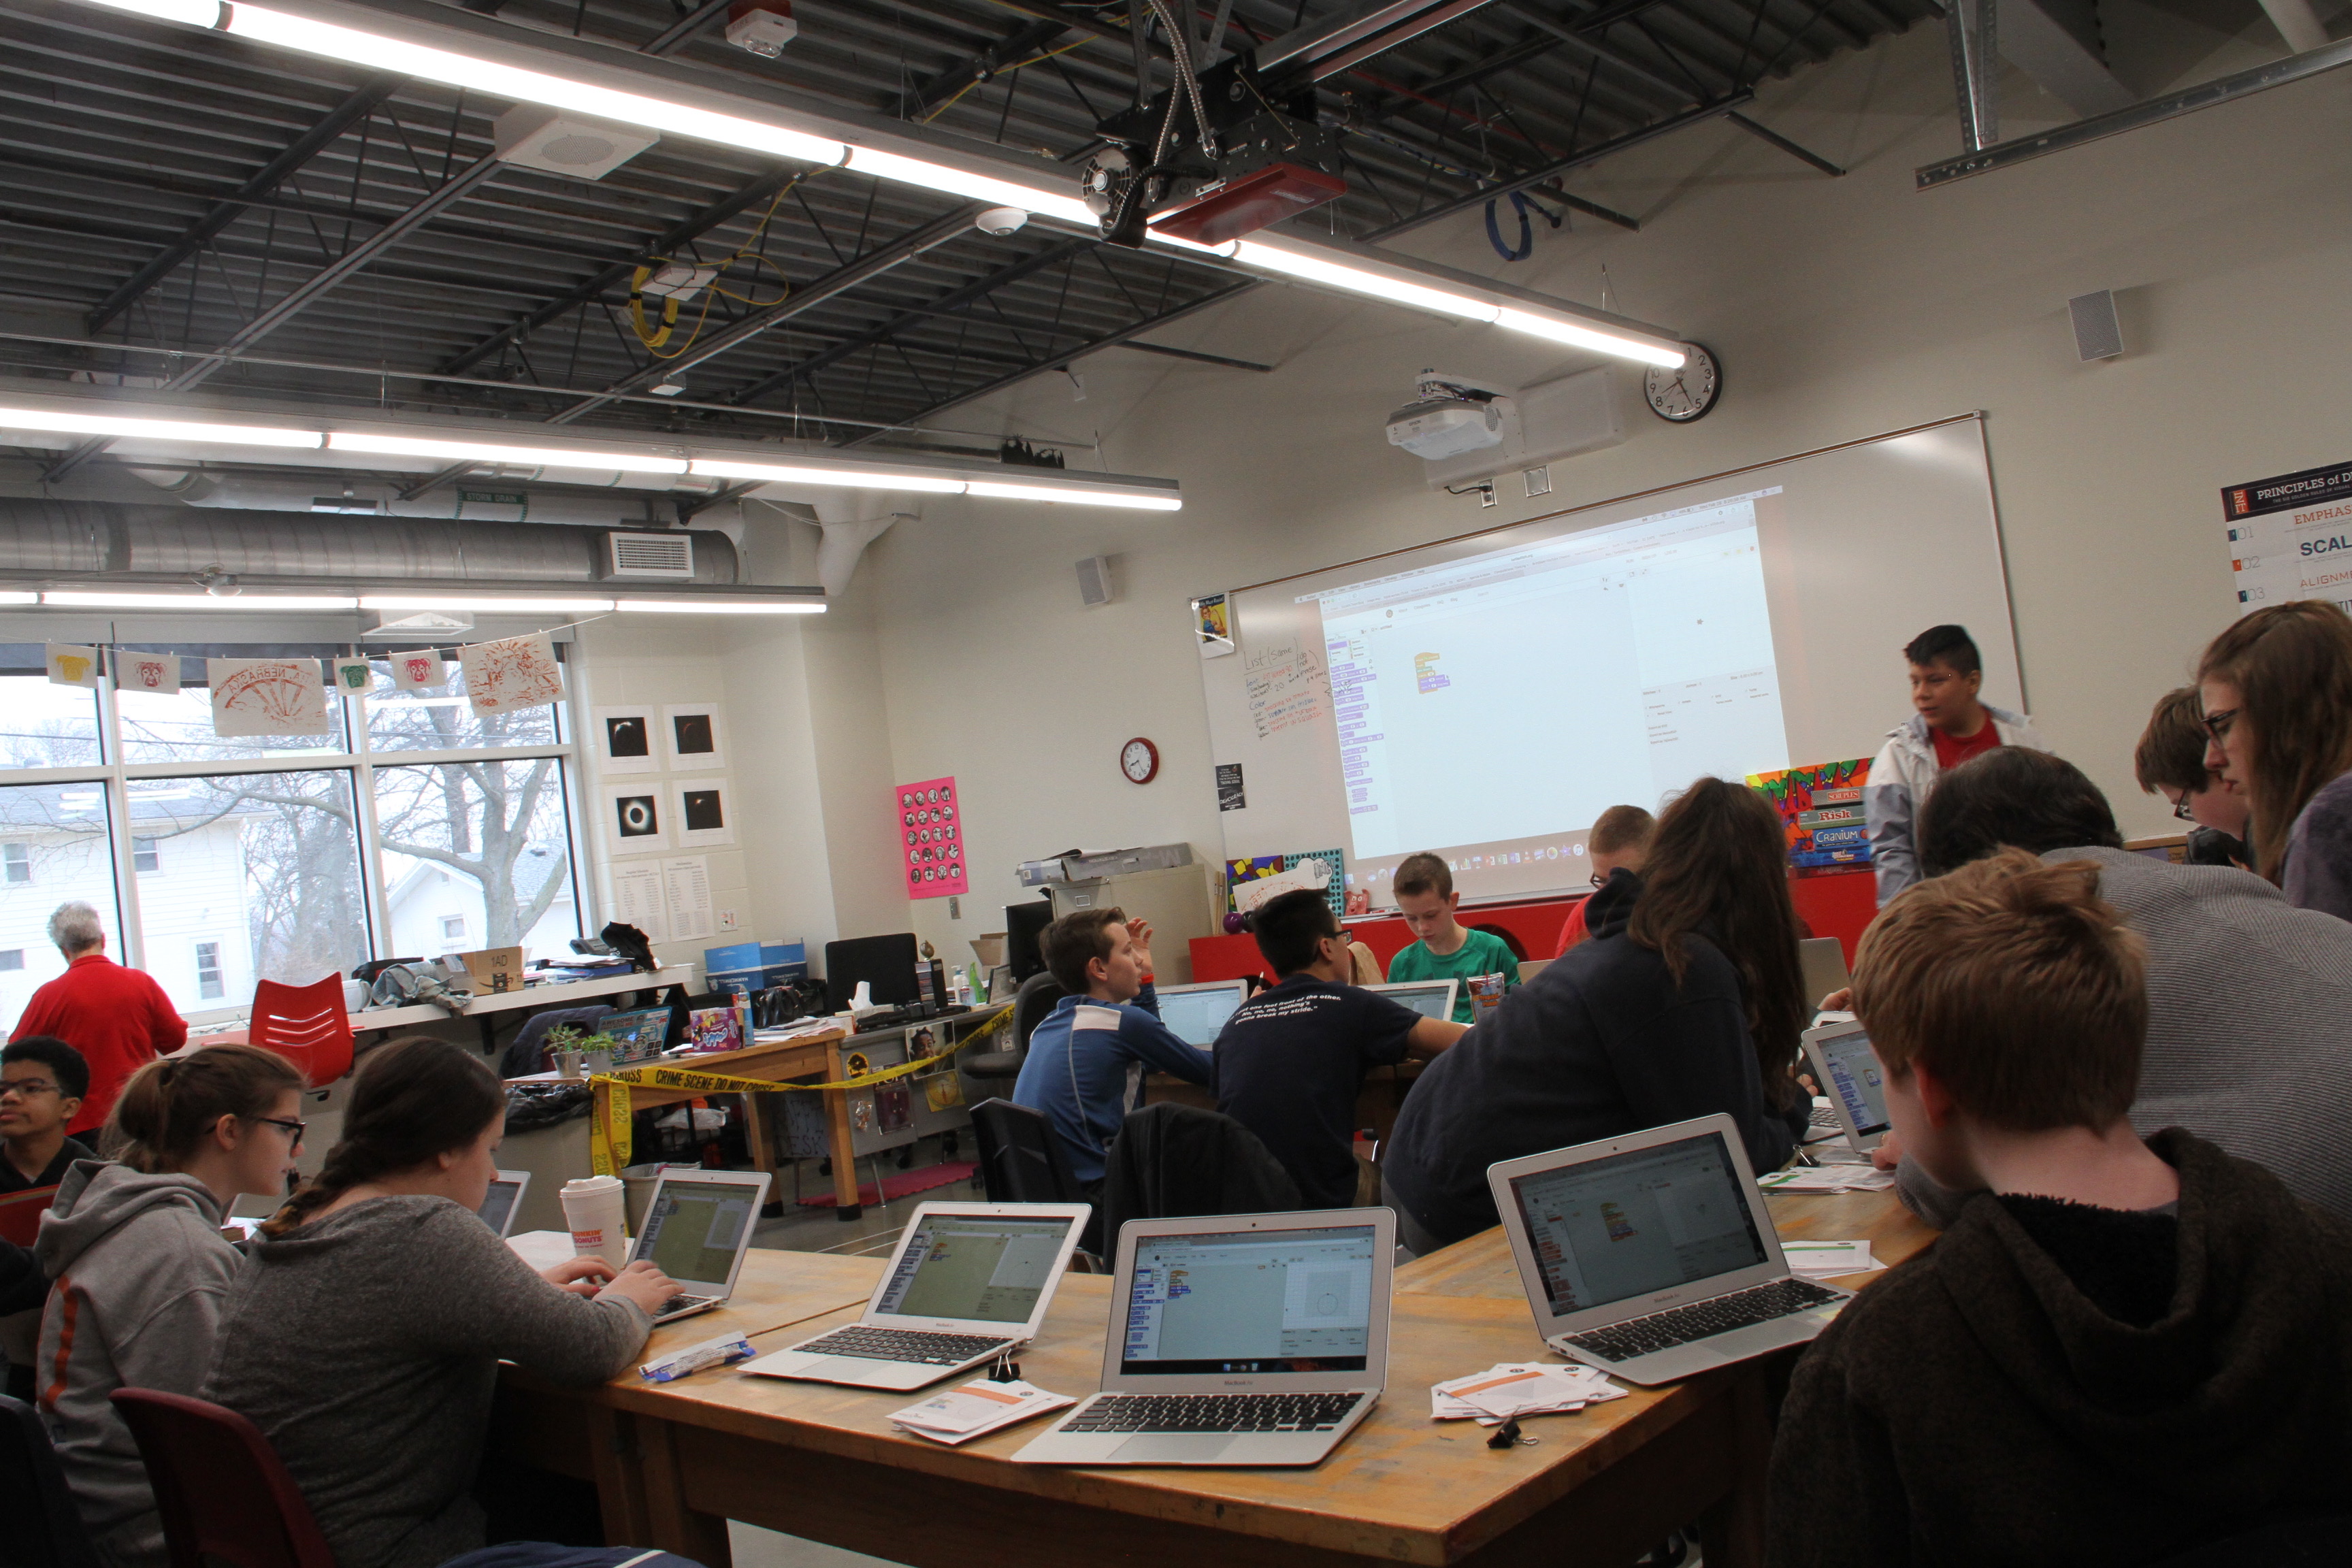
<point>1021,1162</point>
<point>1171,1161</point>
<point>2291,1543</point>
<point>43,1530</point>
<point>1039,995</point>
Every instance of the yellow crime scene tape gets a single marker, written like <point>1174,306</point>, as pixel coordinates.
<point>612,1135</point>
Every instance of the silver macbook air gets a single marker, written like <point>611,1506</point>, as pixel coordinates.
<point>1430,998</point>
<point>1652,1256</point>
<point>968,1282</point>
<point>1196,1013</point>
<point>504,1200</point>
<point>1847,1069</point>
<point>698,1226</point>
<point>1236,1340</point>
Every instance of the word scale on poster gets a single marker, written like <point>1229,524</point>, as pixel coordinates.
<point>930,829</point>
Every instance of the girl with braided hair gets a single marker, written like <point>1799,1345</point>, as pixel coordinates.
<point>142,1267</point>
<point>364,1334</point>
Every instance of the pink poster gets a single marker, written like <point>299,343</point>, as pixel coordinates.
<point>930,828</point>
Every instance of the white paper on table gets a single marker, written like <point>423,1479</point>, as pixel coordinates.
<point>542,1249</point>
<point>959,1414</point>
<point>1828,1179</point>
<point>638,899</point>
<point>1519,1388</point>
<point>687,880</point>
<point>1830,1257</point>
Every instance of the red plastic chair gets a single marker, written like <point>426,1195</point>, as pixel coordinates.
<point>220,1487</point>
<point>20,1215</point>
<point>306,1025</point>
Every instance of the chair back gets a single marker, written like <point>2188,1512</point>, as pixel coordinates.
<point>1021,1161</point>
<point>20,1213</point>
<point>219,1486</point>
<point>1039,995</point>
<point>306,1025</point>
<point>526,1052</point>
<point>44,1529</point>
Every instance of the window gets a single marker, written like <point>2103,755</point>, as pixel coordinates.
<point>497,830</point>
<point>453,927</point>
<point>143,855</point>
<point>17,858</point>
<point>51,827</point>
<point>208,970</point>
<point>12,958</point>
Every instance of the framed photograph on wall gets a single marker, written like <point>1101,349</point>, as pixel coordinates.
<point>695,736</point>
<point>698,813</point>
<point>634,818</point>
<point>625,739</point>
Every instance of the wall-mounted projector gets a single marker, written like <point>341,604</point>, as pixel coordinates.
<point>1467,431</point>
<point>1453,417</point>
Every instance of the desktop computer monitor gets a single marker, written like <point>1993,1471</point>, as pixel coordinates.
<point>1024,923</point>
<point>887,963</point>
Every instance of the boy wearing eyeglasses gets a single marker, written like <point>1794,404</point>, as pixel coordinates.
<point>42,1083</point>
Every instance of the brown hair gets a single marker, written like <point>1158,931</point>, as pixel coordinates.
<point>2172,750</point>
<point>412,1099</point>
<point>1073,941</point>
<point>1619,829</point>
<point>2021,988</point>
<point>2291,664</point>
<point>161,1117</point>
<point>1719,868</point>
<point>1422,873</point>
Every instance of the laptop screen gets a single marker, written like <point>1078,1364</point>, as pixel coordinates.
<point>1431,1001</point>
<point>1195,1016</point>
<point>498,1205</point>
<point>1855,1080</point>
<point>693,1229</point>
<point>1250,1301</point>
<point>983,1267</point>
<point>642,1032</point>
<point>1627,1224</point>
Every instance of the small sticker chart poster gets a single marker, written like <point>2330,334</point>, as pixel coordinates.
<point>930,832</point>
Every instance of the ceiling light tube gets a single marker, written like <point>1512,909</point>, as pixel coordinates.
<point>86,600</point>
<point>78,422</point>
<point>1598,339</point>
<point>853,479</point>
<point>1379,285</point>
<point>964,182</point>
<point>1076,495</point>
<point>723,607</point>
<point>488,452</point>
<point>528,604</point>
<point>13,596</point>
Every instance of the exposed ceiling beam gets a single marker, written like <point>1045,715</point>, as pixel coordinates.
<point>680,33</point>
<point>1006,52</point>
<point>1195,354</point>
<point>1767,134</point>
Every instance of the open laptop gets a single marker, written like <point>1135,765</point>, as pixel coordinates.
<point>1236,1340</point>
<point>504,1200</point>
<point>1196,1012</point>
<point>1821,962</point>
<point>637,1035</point>
<point>1430,998</point>
<point>1652,1256</point>
<point>968,1282</point>
<point>1847,1069</point>
<point>698,1226</point>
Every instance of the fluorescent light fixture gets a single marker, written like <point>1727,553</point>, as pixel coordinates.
<point>1600,340</point>
<point>854,478</point>
<point>1362,281</point>
<point>963,183</point>
<point>75,421</point>
<point>194,13</point>
<point>523,604</point>
<point>1140,500</point>
<point>14,597</point>
<point>486,452</point>
<point>724,607</point>
<point>79,599</point>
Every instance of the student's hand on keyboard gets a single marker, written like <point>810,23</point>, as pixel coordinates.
<point>1889,1153</point>
<point>580,1276</point>
<point>643,1284</point>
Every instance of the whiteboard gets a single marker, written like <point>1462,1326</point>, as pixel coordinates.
<point>1863,546</point>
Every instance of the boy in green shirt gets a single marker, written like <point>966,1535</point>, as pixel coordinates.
<point>1447,949</point>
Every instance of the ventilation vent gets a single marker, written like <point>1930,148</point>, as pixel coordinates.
<point>668,555</point>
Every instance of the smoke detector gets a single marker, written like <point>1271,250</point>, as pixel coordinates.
<point>761,27</point>
<point>561,143</point>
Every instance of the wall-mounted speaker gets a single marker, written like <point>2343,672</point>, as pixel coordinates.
<point>1095,585</point>
<point>2097,335</point>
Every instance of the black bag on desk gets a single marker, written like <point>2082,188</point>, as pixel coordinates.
<point>630,943</point>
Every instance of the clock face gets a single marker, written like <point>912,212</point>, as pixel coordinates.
<point>1682,395</point>
<point>1139,760</point>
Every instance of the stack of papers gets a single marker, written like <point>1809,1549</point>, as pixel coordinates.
<point>1826,1257</point>
<point>962,1413</point>
<point>1512,1389</point>
<point>1828,1179</point>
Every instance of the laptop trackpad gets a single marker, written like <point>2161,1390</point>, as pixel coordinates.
<point>1172,1448</point>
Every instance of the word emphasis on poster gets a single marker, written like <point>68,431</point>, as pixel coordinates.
<point>930,823</point>
<point>2291,537</point>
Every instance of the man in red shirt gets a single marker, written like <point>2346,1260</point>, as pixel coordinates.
<point>118,1018</point>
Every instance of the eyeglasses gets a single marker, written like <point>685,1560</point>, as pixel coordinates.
<point>26,1087</point>
<point>2180,808</point>
<point>1598,880</point>
<point>294,1130</point>
<point>2218,725</point>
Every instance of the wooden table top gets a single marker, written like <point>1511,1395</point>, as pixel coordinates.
<point>774,1290</point>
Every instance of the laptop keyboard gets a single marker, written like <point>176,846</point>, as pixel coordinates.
<point>1214,1413</point>
<point>1639,1337</point>
<point>917,1345</point>
<point>1825,1115</point>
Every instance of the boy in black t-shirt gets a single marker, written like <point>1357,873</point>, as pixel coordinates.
<point>1289,1061</point>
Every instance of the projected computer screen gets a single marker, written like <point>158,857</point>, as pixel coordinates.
<point>1854,1079</point>
<point>1627,1224</point>
<point>1247,1301</point>
<point>986,1267</point>
<point>1196,1016</point>
<point>692,1230</point>
<point>1653,648</point>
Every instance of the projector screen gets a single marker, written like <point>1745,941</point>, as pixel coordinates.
<point>1486,698</point>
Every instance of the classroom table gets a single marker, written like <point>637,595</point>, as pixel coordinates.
<point>673,1462</point>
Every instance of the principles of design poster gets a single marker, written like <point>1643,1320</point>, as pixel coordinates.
<point>2291,537</point>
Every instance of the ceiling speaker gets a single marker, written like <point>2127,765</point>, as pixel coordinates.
<point>561,143</point>
<point>2097,335</point>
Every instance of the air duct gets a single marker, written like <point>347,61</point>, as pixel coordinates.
<point>475,497</point>
<point>846,538</point>
<point>93,541</point>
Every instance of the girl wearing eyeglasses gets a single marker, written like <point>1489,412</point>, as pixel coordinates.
<point>2276,691</point>
<point>141,1267</point>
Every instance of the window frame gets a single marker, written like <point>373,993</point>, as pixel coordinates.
<point>361,759</point>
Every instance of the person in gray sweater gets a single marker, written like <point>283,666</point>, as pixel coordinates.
<point>2250,998</point>
<point>141,1267</point>
<point>364,1333</point>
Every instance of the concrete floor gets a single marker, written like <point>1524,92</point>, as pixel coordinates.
<point>873,1231</point>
